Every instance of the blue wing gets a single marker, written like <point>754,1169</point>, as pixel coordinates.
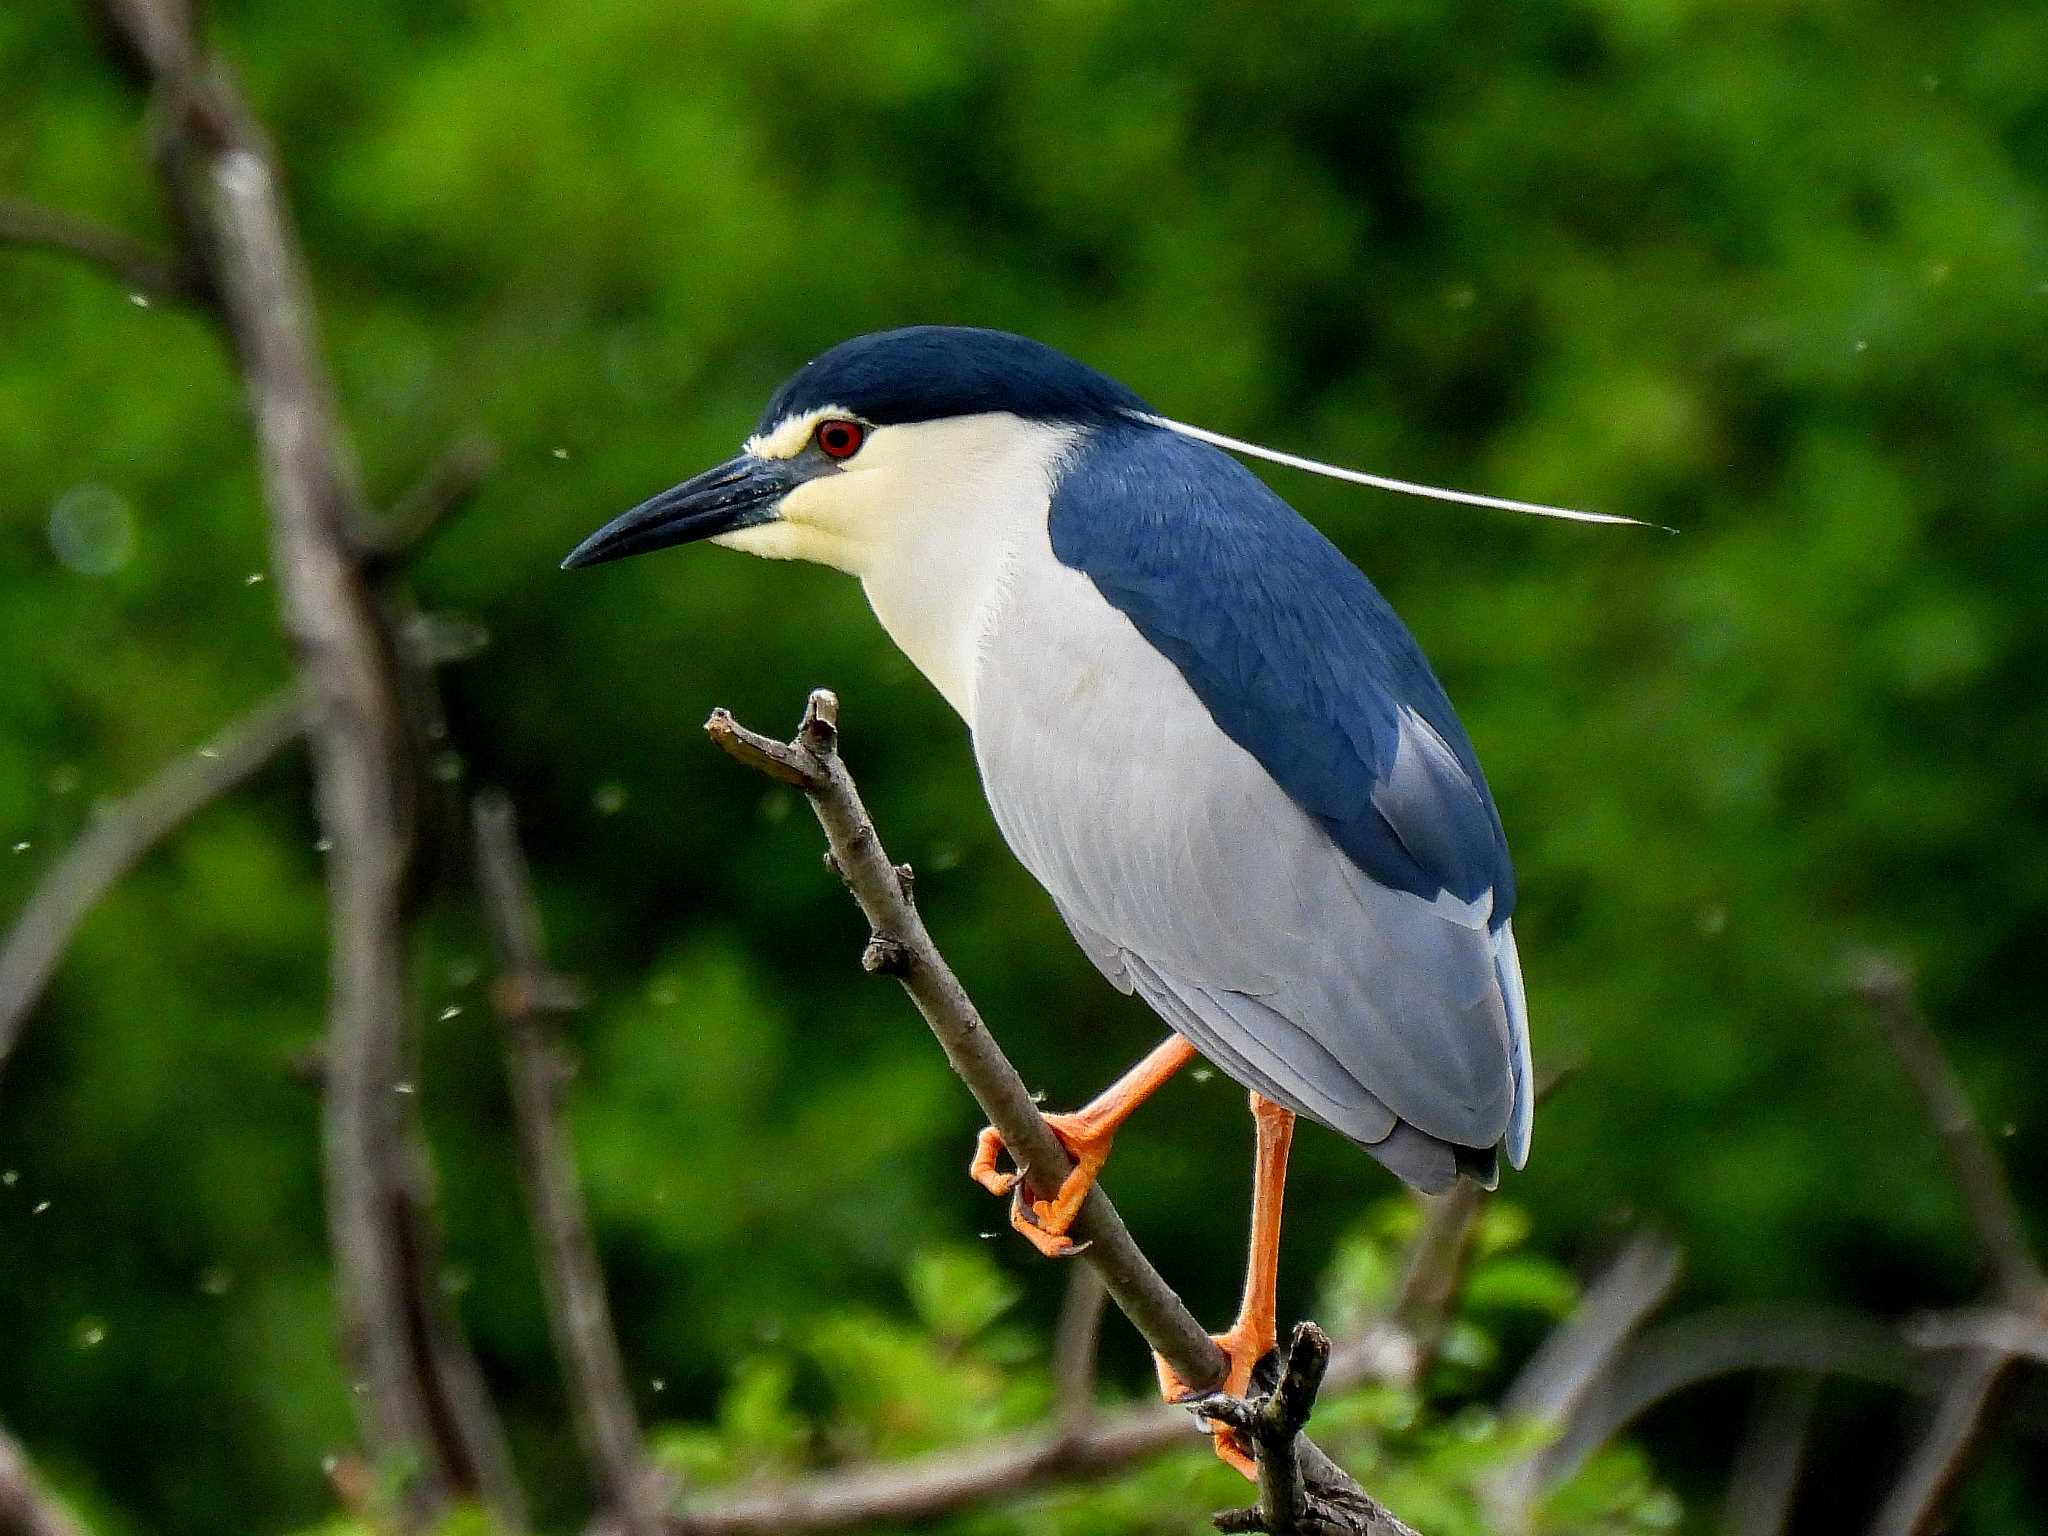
<point>1295,654</point>
<point>1397,1018</point>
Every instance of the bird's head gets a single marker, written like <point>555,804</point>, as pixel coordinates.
<point>857,449</point>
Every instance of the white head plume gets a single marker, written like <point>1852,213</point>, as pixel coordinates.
<point>1384,482</point>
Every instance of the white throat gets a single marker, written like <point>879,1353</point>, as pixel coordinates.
<point>932,517</point>
<point>938,581</point>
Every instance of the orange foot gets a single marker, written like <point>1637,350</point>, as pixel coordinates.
<point>1243,1348</point>
<point>1045,1222</point>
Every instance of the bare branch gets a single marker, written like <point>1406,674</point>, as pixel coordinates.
<point>1435,1270</point>
<point>812,763</point>
<point>128,261</point>
<point>1998,1328</point>
<point>1075,1343</point>
<point>926,1487</point>
<point>464,1419</point>
<point>1565,1368</point>
<point>447,486</point>
<point>1297,1496</point>
<point>1965,1412</point>
<point>1675,1357</point>
<point>1886,987</point>
<point>116,840</point>
<point>578,1315</point>
<point>26,1509</point>
<point>422,1411</point>
<point>1627,1291</point>
<point>902,947</point>
<point>1765,1480</point>
<point>1962,1417</point>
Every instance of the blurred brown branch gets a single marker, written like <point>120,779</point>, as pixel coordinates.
<point>133,265</point>
<point>1966,1411</point>
<point>420,1396</point>
<point>116,839</point>
<point>525,996</point>
<point>1076,1341</point>
<point>1765,1479</point>
<point>121,833</point>
<point>1674,1357</point>
<point>1623,1368</point>
<point>1571,1363</point>
<point>1980,1179</point>
<point>446,487</point>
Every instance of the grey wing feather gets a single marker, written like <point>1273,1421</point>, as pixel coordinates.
<point>1189,876</point>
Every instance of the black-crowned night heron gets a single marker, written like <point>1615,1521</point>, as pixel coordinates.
<point>1200,727</point>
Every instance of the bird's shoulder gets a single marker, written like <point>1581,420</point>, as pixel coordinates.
<point>1294,653</point>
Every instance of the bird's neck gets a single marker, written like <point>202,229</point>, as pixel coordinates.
<point>938,582</point>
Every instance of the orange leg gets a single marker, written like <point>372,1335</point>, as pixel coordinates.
<point>1255,1334</point>
<point>1086,1134</point>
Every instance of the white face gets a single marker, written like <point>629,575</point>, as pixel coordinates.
<point>931,516</point>
<point>904,487</point>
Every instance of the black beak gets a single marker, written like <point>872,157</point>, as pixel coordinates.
<point>738,494</point>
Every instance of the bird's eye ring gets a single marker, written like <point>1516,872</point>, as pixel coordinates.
<point>838,438</point>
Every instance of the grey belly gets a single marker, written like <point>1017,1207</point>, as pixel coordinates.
<point>1191,878</point>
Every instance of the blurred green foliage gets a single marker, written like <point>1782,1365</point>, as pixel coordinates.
<point>1776,274</point>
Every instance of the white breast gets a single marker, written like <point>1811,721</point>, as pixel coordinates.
<point>983,485</point>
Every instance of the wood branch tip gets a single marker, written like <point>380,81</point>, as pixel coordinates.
<point>1308,1355</point>
<point>820,728</point>
<point>885,957</point>
<point>1879,979</point>
<point>1294,1399</point>
<point>762,753</point>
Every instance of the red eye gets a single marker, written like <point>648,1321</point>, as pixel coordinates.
<point>839,439</point>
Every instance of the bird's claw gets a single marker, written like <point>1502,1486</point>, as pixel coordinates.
<point>1032,1219</point>
<point>1221,1408</point>
<point>1224,1411</point>
<point>1044,1222</point>
<point>987,1147</point>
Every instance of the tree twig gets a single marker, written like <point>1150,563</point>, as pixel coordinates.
<point>1570,1362</point>
<point>1674,1357</point>
<point>128,261</point>
<point>946,1481</point>
<point>1297,1496</point>
<point>1965,1413</point>
<point>1435,1270</point>
<point>1076,1341</point>
<point>423,1416</point>
<point>902,947</point>
<point>447,486</point>
<point>525,995</point>
<point>1999,1328</point>
<point>116,840</point>
<point>1962,1417</point>
<point>1765,1479</point>
<point>26,1508</point>
<point>1980,1178</point>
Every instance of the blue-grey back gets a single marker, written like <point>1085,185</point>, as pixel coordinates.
<point>1295,654</point>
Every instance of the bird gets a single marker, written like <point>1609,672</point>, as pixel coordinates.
<point>1199,726</point>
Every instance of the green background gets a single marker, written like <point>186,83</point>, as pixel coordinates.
<point>1775,274</point>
